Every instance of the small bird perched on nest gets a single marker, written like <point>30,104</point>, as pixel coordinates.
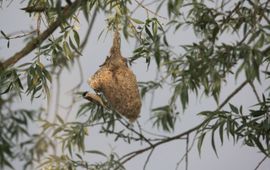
<point>117,83</point>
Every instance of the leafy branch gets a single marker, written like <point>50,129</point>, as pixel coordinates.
<point>127,157</point>
<point>34,43</point>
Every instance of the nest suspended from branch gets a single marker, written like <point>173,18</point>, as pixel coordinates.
<point>117,83</point>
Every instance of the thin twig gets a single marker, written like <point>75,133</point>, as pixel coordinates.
<point>122,136</point>
<point>57,96</point>
<point>150,11</point>
<point>191,146</point>
<point>232,94</point>
<point>260,163</point>
<point>137,133</point>
<point>151,3</point>
<point>137,7</point>
<point>263,14</point>
<point>130,155</point>
<point>154,134</point>
<point>133,154</point>
<point>34,43</point>
<point>255,91</point>
<point>10,3</point>
<point>148,158</point>
<point>91,24</point>
<point>187,150</point>
<point>139,126</point>
<point>18,35</point>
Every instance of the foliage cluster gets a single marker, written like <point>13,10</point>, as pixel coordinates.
<point>201,68</point>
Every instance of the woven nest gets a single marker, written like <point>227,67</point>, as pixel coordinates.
<point>117,83</point>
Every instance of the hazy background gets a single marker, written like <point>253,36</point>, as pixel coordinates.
<point>231,156</point>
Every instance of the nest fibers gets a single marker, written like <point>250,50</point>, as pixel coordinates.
<point>117,83</point>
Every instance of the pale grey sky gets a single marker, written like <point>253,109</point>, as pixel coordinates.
<point>231,156</point>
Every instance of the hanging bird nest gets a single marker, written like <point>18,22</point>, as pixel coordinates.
<point>116,81</point>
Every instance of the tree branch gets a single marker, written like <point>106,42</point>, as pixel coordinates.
<point>262,14</point>
<point>255,91</point>
<point>148,158</point>
<point>259,164</point>
<point>133,154</point>
<point>34,43</point>
<point>21,34</point>
<point>187,152</point>
<point>137,133</point>
<point>232,94</point>
<point>179,136</point>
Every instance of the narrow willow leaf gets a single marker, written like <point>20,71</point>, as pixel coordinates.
<point>154,28</point>
<point>77,38</point>
<point>258,144</point>
<point>213,142</point>
<point>234,109</point>
<point>47,75</point>
<point>254,36</point>
<point>5,36</point>
<point>79,156</point>
<point>149,33</point>
<point>57,130</point>
<point>59,119</point>
<point>67,50</point>
<point>200,142</point>
<point>137,21</point>
<point>257,113</point>
<point>96,152</point>
<point>221,130</point>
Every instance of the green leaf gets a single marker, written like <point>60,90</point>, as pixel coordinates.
<point>60,119</point>
<point>200,142</point>
<point>258,144</point>
<point>7,163</point>
<point>213,141</point>
<point>184,96</point>
<point>67,50</point>
<point>5,36</point>
<point>77,38</point>
<point>7,89</point>
<point>154,28</point>
<point>57,130</point>
<point>85,9</point>
<point>260,42</point>
<point>157,57</point>
<point>257,113</point>
<point>163,116</point>
<point>254,36</point>
<point>206,113</point>
<point>79,156</point>
<point>137,21</point>
<point>47,75</point>
<point>165,40</point>
<point>221,130</point>
<point>234,109</point>
<point>149,33</point>
<point>96,152</point>
<point>69,148</point>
